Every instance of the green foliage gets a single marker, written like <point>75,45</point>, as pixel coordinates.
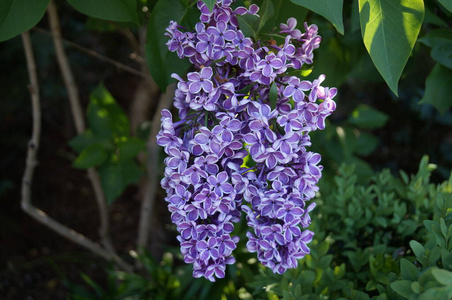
<point>438,88</point>
<point>107,144</point>
<point>362,233</point>
<point>112,10</point>
<point>17,16</point>
<point>330,9</point>
<point>389,31</point>
<point>161,62</point>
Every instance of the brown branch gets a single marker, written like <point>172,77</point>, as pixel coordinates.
<point>78,117</point>
<point>147,205</point>
<point>97,55</point>
<point>31,163</point>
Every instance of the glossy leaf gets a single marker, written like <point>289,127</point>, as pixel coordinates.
<point>365,116</point>
<point>112,10</point>
<point>161,62</point>
<point>390,29</point>
<point>116,175</point>
<point>92,156</point>
<point>105,117</point>
<point>438,88</point>
<point>249,24</point>
<point>18,16</point>
<point>330,9</point>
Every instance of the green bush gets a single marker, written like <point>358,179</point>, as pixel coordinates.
<point>390,238</point>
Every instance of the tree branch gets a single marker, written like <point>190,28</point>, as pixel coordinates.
<point>31,163</point>
<point>147,205</point>
<point>78,116</point>
<point>97,55</point>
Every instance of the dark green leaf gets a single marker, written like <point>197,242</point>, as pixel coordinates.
<point>112,10</point>
<point>97,289</point>
<point>432,18</point>
<point>330,9</point>
<point>116,175</point>
<point>249,24</point>
<point>440,40</point>
<point>418,250</point>
<point>365,116</point>
<point>93,155</point>
<point>447,4</point>
<point>81,141</point>
<point>273,95</point>
<point>390,29</point>
<point>105,117</point>
<point>266,12</point>
<point>283,10</point>
<point>210,4</point>
<point>408,270</point>
<point>161,62</point>
<point>18,16</point>
<point>129,148</point>
<point>438,88</point>
<point>402,287</point>
<point>366,143</point>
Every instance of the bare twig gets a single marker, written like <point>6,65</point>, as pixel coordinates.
<point>99,56</point>
<point>31,163</point>
<point>78,116</point>
<point>152,167</point>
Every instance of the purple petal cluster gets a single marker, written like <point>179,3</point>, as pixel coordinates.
<point>235,149</point>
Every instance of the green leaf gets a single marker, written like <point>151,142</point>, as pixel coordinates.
<point>440,40</point>
<point>249,24</point>
<point>283,10</point>
<point>112,10</point>
<point>266,12</point>
<point>443,276</point>
<point>418,250</point>
<point>402,287</point>
<point>330,9</point>
<point>129,148</point>
<point>116,176</point>
<point>390,29</point>
<point>93,155</point>
<point>447,4</point>
<point>367,117</point>
<point>210,4</point>
<point>105,117</point>
<point>161,62</point>
<point>408,270</point>
<point>366,143</point>
<point>273,95</point>
<point>438,88</point>
<point>18,16</point>
<point>81,141</point>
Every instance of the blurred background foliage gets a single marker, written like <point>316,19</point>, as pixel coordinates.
<point>381,232</point>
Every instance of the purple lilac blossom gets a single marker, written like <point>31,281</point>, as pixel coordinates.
<point>226,115</point>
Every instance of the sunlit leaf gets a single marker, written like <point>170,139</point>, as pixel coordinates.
<point>390,29</point>
<point>438,88</point>
<point>112,10</point>
<point>330,9</point>
<point>18,16</point>
<point>105,117</point>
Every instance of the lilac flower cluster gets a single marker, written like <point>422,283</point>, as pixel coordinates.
<point>241,141</point>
